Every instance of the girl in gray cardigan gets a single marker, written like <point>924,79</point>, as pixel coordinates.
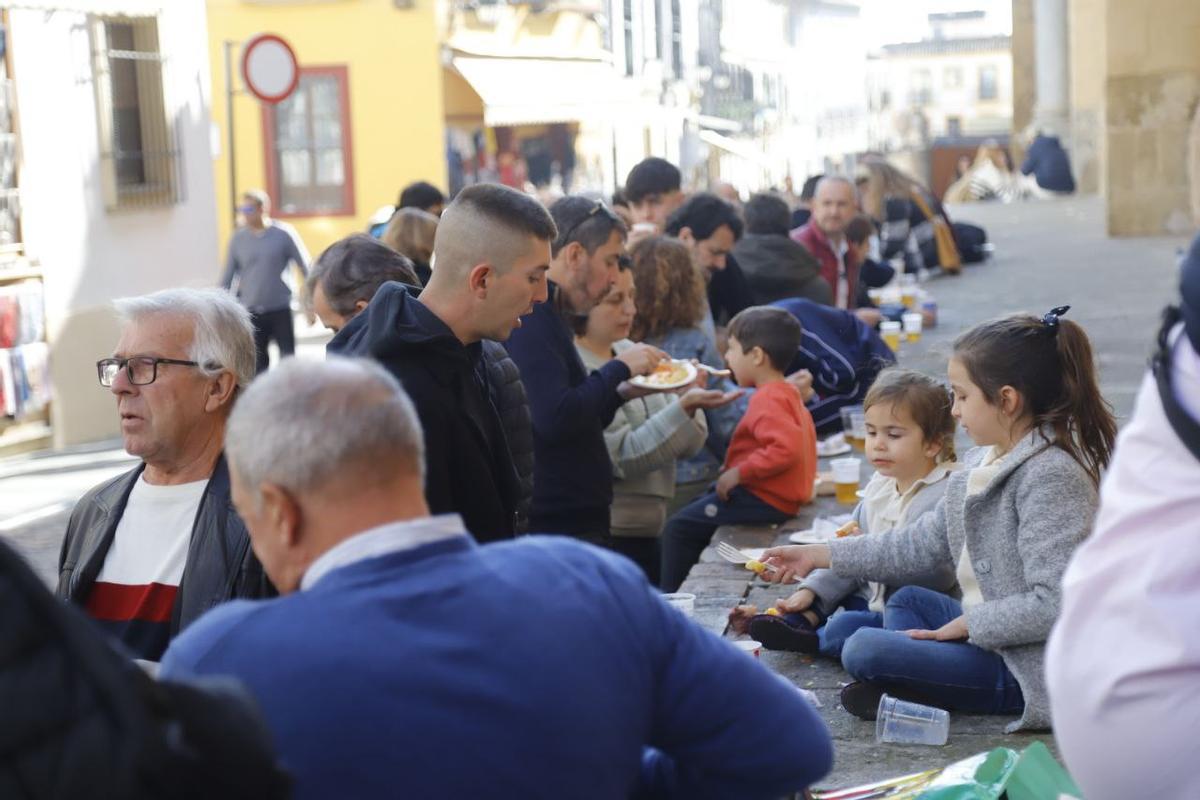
<point>1025,391</point>
<point>910,441</point>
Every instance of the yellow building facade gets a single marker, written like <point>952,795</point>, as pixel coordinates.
<point>366,120</point>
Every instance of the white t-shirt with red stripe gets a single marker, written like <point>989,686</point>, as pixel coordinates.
<point>135,590</point>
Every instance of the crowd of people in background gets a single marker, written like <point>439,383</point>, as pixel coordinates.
<point>451,535</point>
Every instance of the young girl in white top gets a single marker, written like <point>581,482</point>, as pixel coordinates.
<point>910,442</point>
<point>1025,390</point>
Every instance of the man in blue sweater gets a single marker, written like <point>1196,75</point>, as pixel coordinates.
<point>572,474</point>
<point>404,660</point>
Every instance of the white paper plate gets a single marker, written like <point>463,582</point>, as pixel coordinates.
<point>689,368</point>
<point>833,446</point>
<point>808,537</point>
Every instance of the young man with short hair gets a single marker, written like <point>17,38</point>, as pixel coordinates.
<point>492,251</point>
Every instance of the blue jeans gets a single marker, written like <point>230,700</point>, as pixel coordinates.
<point>958,676</point>
<point>690,530</point>
<point>841,626</point>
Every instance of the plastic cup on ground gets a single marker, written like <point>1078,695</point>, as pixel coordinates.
<point>748,647</point>
<point>902,722</point>
<point>912,326</point>
<point>845,479</point>
<point>684,601</point>
<point>890,331</point>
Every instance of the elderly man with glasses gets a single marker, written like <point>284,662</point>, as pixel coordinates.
<point>149,551</point>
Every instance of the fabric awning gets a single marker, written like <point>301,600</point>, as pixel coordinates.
<point>538,91</point>
<point>741,149</point>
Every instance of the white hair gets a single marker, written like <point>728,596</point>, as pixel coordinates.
<point>222,334</point>
<point>305,423</point>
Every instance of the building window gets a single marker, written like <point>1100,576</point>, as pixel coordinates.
<point>659,30</point>
<point>988,89</point>
<point>139,154</point>
<point>676,40</point>
<point>627,29</point>
<point>952,77</point>
<point>309,154</point>
<point>954,127</point>
<point>922,88</point>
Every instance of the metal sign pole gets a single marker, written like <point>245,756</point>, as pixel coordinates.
<point>229,129</point>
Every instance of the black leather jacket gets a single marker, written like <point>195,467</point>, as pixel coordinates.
<point>220,565</point>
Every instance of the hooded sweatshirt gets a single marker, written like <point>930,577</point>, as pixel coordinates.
<point>468,466</point>
<point>776,268</point>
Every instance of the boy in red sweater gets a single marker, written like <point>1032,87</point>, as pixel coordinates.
<point>772,459</point>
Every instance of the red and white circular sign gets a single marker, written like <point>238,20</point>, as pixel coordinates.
<point>269,68</point>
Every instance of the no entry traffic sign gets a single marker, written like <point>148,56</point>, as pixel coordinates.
<point>269,68</point>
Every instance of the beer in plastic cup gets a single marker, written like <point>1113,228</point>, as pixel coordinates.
<point>912,326</point>
<point>858,427</point>
<point>847,413</point>
<point>901,722</point>
<point>845,479</point>
<point>890,331</point>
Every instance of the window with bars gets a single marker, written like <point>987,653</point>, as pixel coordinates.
<point>309,164</point>
<point>627,31</point>
<point>141,164</point>
<point>676,40</point>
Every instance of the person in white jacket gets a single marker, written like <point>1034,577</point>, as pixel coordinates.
<point>1123,662</point>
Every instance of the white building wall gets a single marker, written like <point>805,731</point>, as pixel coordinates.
<point>89,255</point>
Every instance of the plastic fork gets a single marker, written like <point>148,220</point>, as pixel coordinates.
<point>720,373</point>
<point>736,556</point>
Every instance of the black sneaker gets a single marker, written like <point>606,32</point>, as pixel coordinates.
<point>792,632</point>
<point>861,699</point>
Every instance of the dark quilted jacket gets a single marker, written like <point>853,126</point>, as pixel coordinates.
<point>508,394</point>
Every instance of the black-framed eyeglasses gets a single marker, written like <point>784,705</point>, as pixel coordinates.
<point>598,208</point>
<point>140,370</point>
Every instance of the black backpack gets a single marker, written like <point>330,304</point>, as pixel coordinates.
<point>77,719</point>
<point>1186,428</point>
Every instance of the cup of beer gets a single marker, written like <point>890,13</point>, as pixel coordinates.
<point>845,479</point>
<point>847,413</point>
<point>890,330</point>
<point>912,326</point>
<point>858,428</point>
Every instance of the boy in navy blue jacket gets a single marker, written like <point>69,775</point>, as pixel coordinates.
<point>572,478</point>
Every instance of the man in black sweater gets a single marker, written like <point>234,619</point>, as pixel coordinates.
<point>572,485</point>
<point>492,253</point>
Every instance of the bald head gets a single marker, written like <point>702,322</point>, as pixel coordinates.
<point>834,205</point>
<point>307,425</point>
<point>487,224</point>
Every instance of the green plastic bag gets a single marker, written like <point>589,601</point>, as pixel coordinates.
<point>1032,774</point>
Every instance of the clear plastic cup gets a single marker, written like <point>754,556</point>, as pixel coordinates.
<point>890,331</point>
<point>684,601</point>
<point>912,326</point>
<point>748,647</point>
<point>845,479</point>
<point>902,722</point>
<point>848,427</point>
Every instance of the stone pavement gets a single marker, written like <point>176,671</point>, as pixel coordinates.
<point>1047,254</point>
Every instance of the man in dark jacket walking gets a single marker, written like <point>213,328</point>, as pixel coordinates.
<point>148,552</point>
<point>776,268</point>
<point>491,252</point>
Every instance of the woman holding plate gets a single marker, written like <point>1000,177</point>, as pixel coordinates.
<point>648,433</point>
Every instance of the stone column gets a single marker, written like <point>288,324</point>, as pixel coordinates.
<point>1052,65</point>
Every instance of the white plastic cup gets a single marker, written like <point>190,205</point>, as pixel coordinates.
<point>748,647</point>
<point>902,722</point>
<point>846,470</point>
<point>684,601</point>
